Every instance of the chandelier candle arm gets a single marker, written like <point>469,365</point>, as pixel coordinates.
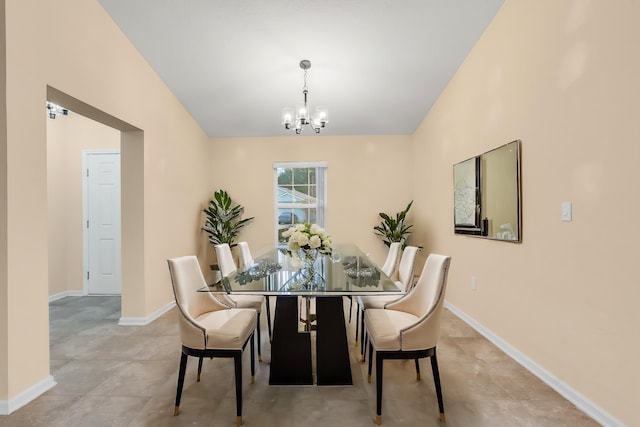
<point>301,117</point>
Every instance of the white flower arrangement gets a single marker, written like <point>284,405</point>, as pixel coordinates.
<point>307,237</point>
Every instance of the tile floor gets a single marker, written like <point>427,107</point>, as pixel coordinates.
<point>110,375</point>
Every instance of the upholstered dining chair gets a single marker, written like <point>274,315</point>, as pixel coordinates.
<point>409,327</point>
<point>245,258</point>
<point>207,327</point>
<point>227,265</point>
<point>390,268</point>
<point>404,282</point>
<point>245,261</point>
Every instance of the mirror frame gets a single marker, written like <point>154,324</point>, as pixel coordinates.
<point>469,216</point>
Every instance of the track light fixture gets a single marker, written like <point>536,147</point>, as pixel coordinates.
<point>54,110</point>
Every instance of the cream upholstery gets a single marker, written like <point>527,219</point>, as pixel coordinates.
<point>204,322</point>
<point>384,326</point>
<point>405,275</point>
<point>245,255</point>
<point>246,259</point>
<point>405,282</point>
<point>406,268</point>
<point>390,269</point>
<point>227,265</point>
<point>413,321</point>
<point>208,328</point>
<point>409,327</point>
<point>390,266</point>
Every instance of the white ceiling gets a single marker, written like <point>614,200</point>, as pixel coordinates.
<point>378,65</point>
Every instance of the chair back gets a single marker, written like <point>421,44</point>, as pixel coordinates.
<point>426,301</point>
<point>186,279</point>
<point>245,255</point>
<point>390,266</point>
<point>406,267</point>
<point>226,264</point>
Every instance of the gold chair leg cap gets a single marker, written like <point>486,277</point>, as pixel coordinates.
<point>253,379</point>
<point>443,418</point>
<point>239,421</point>
<point>176,410</point>
<point>418,376</point>
<point>259,358</point>
<point>361,359</point>
<point>378,420</point>
<point>369,379</point>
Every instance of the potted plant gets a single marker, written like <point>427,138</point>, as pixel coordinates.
<point>394,229</point>
<point>223,220</point>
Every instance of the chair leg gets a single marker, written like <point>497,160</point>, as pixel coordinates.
<point>436,380</point>
<point>253,360</point>
<point>183,368</point>
<point>417,370</point>
<point>268,306</point>
<point>365,341</point>
<point>199,368</point>
<point>258,329</point>
<point>379,360</point>
<point>370,362</point>
<point>237,361</point>
<point>362,343</point>
<point>350,307</point>
<point>357,323</point>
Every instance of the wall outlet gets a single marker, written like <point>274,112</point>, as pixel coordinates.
<point>474,283</point>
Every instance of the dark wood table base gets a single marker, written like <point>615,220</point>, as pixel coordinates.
<point>291,349</point>
<point>332,353</point>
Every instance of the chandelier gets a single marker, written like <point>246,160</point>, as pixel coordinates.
<point>301,117</point>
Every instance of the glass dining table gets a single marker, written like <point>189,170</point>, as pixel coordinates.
<point>347,272</point>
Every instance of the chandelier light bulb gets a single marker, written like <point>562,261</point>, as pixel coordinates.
<point>287,117</point>
<point>303,114</point>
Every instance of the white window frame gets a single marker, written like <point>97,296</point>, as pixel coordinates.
<point>321,192</point>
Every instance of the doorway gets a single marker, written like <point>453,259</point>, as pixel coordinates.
<point>102,222</point>
<point>130,142</point>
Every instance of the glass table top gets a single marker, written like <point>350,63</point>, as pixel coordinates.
<point>347,272</point>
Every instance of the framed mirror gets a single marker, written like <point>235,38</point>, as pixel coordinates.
<point>487,194</point>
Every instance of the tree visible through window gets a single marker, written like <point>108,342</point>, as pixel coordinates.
<point>300,195</point>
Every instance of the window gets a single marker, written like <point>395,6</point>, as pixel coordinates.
<point>300,194</point>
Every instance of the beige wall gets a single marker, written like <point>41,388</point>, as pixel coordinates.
<point>365,175</point>
<point>89,59</point>
<point>560,76</point>
<point>67,137</point>
<point>563,78</point>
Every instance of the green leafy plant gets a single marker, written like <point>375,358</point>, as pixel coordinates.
<point>394,229</point>
<point>223,220</point>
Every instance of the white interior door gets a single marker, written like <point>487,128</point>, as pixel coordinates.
<point>102,223</point>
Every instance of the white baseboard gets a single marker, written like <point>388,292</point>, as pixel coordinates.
<point>64,294</point>
<point>581,402</point>
<point>141,321</point>
<point>125,321</point>
<point>11,405</point>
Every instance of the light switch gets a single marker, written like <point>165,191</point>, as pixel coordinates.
<point>565,208</point>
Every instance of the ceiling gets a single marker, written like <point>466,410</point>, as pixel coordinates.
<point>377,65</point>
